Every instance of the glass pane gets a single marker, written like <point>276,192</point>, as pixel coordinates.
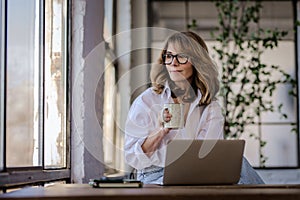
<point>281,147</point>
<point>108,22</point>
<point>109,114</point>
<point>283,56</point>
<point>109,89</point>
<point>289,107</point>
<point>278,15</point>
<point>55,84</point>
<point>252,149</point>
<point>169,14</point>
<point>22,119</point>
<point>1,84</point>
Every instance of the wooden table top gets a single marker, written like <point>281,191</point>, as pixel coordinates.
<point>87,192</point>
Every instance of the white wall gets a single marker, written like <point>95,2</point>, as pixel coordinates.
<point>87,90</point>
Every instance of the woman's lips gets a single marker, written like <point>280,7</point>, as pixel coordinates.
<point>176,70</point>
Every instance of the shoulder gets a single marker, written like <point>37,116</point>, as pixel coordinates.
<point>214,109</point>
<point>146,99</point>
<point>146,96</point>
<point>215,104</point>
<point>142,111</point>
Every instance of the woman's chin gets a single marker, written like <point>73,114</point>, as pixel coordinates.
<point>178,78</point>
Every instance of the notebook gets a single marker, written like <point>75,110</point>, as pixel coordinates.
<point>203,162</point>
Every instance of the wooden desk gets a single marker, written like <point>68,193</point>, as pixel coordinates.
<point>154,192</point>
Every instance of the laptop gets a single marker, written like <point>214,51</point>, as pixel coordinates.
<point>203,162</point>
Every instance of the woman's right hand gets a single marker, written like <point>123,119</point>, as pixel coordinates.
<point>154,139</point>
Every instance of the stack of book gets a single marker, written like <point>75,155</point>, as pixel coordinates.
<point>113,182</point>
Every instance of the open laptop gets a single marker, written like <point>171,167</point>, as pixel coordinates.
<point>203,162</point>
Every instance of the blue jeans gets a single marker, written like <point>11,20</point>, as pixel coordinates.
<point>154,175</point>
<point>249,175</point>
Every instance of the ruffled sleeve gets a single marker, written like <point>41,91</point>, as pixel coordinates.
<point>141,121</point>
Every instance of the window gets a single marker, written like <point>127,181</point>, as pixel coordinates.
<point>55,88</point>
<point>1,84</point>
<point>110,93</point>
<point>34,104</point>
<point>22,84</point>
<point>117,46</point>
<point>282,145</point>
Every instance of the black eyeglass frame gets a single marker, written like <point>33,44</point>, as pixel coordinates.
<point>174,56</point>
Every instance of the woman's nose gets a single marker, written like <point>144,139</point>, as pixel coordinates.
<point>174,62</point>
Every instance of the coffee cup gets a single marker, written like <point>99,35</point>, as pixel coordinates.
<point>176,110</point>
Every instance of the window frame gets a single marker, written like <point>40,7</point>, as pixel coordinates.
<point>21,176</point>
<point>296,6</point>
<point>111,167</point>
<point>2,82</point>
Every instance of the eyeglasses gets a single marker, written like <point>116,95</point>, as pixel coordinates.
<point>168,58</point>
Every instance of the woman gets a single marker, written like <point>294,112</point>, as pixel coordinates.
<point>184,74</point>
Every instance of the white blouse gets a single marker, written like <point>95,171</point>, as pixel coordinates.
<point>201,123</point>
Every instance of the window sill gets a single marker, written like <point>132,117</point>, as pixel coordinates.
<point>13,179</point>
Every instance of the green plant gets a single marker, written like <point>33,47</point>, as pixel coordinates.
<point>248,84</point>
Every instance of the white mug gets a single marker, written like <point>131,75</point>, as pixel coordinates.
<point>177,112</point>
